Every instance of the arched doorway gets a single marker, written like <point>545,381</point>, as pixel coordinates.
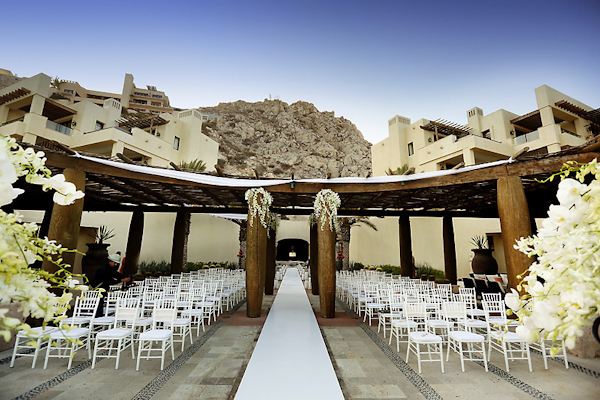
<point>287,247</point>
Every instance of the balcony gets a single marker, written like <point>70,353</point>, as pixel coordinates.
<point>59,128</point>
<point>528,137</point>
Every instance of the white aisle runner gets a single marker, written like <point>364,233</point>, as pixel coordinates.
<point>290,360</point>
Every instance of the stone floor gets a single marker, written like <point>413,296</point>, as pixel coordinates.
<point>366,366</point>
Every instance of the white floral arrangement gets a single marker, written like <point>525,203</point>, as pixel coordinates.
<point>259,201</point>
<point>566,297</point>
<point>20,246</point>
<point>326,205</point>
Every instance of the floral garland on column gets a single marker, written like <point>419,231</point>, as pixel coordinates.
<point>20,246</point>
<point>562,287</point>
<point>326,205</point>
<point>258,207</point>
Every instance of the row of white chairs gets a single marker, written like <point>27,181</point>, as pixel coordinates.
<point>391,301</point>
<point>194,306</point>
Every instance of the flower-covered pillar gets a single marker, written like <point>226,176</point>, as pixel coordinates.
<point>134,242</point>
<point>314,256</point>
<point>259,201</point>
<point>326,206</point>
<point>65,222</point>
<point>514,222</point>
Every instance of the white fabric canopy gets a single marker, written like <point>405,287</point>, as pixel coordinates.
<point>251,183</point>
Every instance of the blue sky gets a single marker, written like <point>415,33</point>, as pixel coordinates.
<point>365,60</point>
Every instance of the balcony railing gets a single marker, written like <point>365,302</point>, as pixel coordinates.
<point>563,130</point>
<point>528,137</point>
<point>13,120</point>
<point>59,128</point>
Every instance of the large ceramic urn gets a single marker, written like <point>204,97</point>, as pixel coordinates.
<point>483,262</point>
<point>94,258</point>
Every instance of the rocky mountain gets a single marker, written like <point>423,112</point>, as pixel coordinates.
<point>276,139</point>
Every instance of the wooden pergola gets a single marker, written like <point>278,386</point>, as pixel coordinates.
<point>510,191</point>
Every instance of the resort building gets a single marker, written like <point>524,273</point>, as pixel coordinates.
<point>559,122</point>
<point>108,124</point>
<point>34,110</point>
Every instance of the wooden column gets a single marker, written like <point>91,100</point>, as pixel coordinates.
<point>134,243</point>
<point>449,249</point>
<point>515,224</point>
<point>406,257</point>
<point>314,259</point>
<point>270,267</point>
<point>65,221</point>
<point>256,263</point>
<point>180,237</point>
<point>326,263</point>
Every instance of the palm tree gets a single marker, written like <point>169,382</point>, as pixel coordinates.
<point>195,165</point>
<point>345,224</point>
<point>55,83</point>
<point>398,171</point>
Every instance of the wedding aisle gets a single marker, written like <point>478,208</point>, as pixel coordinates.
<point>290,360</point>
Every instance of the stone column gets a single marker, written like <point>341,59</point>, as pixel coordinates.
<point>65,222</point>
<point>256,263</point>
<point>4,113</point>
<point>515,224</point>
<point>326,240</point>
<point>37,104</point>
<point>134,243</point>
<point>314,259</point>
<point>180,237</point>
<point>270,262</point>
<point>449,249</point>
<point>406,257</point>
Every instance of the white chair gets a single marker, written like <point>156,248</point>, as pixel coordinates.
<point>85,309</point>
<point>195,311</point>
<point>120,337</point>
<point>384,316</point>
<point>500,339</point>
<point>23,341</point>
<point>372,307</point>
<point>101,323</point>
<point>182,326</point>
<point>455,315</point>
<point>418,336</point>
<point>209,307</point>
<point>163,317</point>
<point>67,342</point>
<point>544,347</point>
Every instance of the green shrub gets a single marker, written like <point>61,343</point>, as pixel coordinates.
<point>354,266</point>
<point>424,269</point>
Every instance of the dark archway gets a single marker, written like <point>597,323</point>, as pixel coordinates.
<point>286,246</point>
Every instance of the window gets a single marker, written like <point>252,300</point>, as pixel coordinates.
<point>176,143</point>
<point>99,125</point>
<point>487,134</point>
<point>69,91</point>
<point>411,149</point>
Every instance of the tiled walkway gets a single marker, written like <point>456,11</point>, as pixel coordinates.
<point>366,368</point>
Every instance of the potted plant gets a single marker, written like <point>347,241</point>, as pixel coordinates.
<point>97,251</point>
<point>483,262</point>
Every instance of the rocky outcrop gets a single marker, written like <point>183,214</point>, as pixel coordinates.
<point>7,80</point>
<point>276,139</point>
